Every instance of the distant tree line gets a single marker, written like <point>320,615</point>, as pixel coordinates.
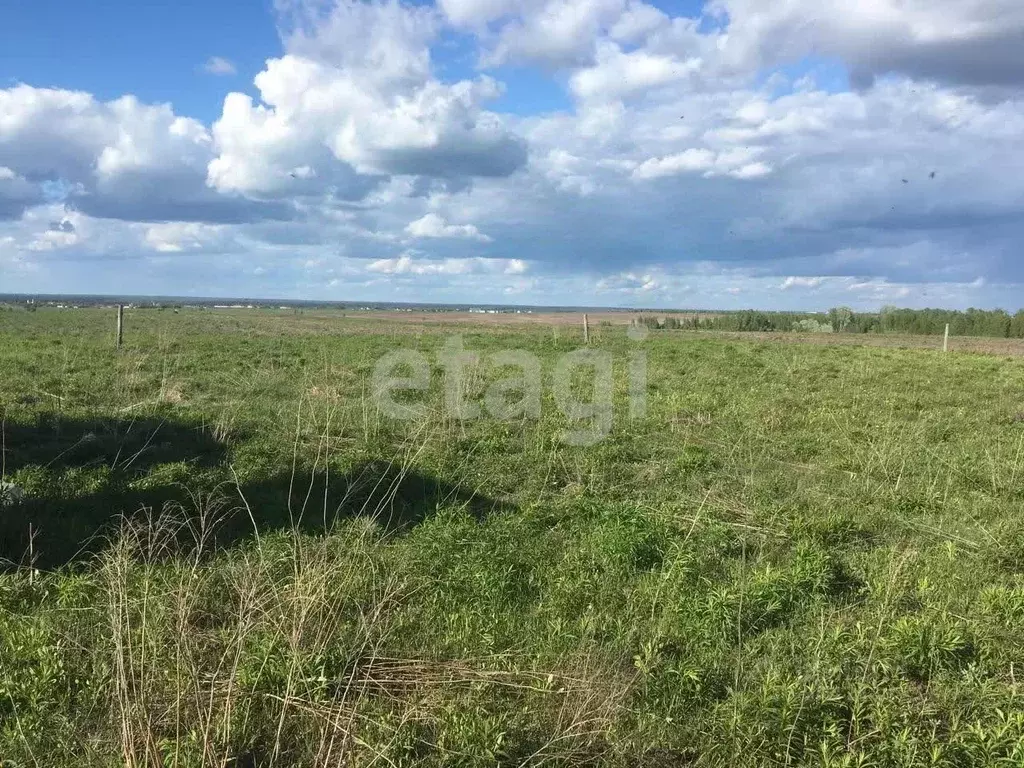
<point>972,322</point>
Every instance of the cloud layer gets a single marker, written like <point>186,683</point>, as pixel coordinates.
<point>793,154</point>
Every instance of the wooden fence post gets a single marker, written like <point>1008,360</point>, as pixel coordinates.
<point>120,324</point>
<point>945,339</point>
<point>586,329</point>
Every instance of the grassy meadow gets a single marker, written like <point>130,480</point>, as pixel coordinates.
<point>222,552</point>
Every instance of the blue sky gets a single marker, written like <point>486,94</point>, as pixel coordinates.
<point>153,50</point>
<point>614,152</point>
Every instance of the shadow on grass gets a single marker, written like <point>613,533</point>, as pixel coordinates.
<point>78,477</point>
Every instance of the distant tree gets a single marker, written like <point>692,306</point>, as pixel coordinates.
<point>998,323</point>
<point>811,325</point>
<point>972,322</point>
<point>1017,325</point>
<point>840,317</point>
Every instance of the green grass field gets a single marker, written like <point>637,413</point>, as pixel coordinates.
<point>226,555</point>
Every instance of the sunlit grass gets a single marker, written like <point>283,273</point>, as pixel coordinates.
<point>800,555</point>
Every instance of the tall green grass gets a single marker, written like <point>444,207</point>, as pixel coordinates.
<point>227,556</point>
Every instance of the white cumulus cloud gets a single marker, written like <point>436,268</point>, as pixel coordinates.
<point>801,282</point>
<point>354,100</point>
<point>960,41</point>
<point>432,225</point>
<point>680,158</point>
<point>415,263</point>
<point>218,65</point>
